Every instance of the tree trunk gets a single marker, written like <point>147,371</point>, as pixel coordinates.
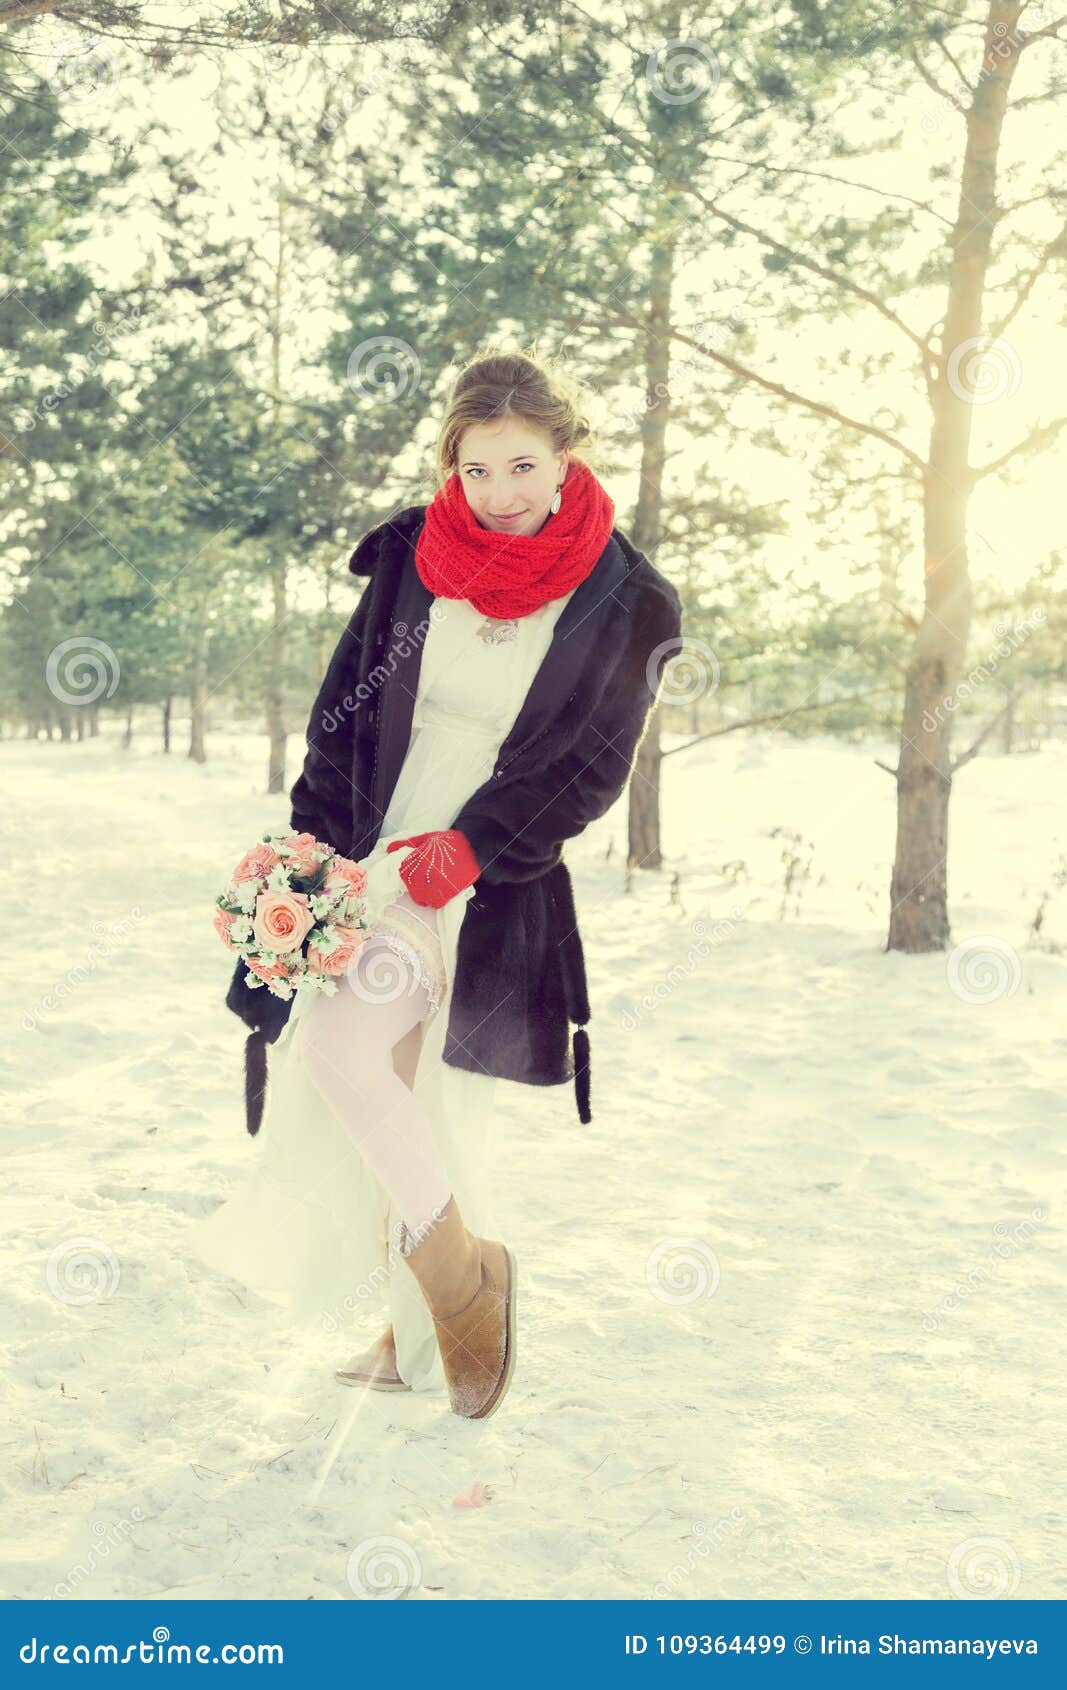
<point>644,812</point>
<point>167,702</point>
<point>198,692</point>
<point>918,918</point>
<point>276,672</point>
<point>127,738</point>
<point>276,685</point>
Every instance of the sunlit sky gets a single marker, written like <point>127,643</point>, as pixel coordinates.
<point>1015,520</point>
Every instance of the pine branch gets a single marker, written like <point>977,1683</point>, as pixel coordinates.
<point>782,391</point>
<point>1055,245</point>
<point>973,750</point>
<point>778,716</point>
<point>933,84</point>
<point>1038,437</point>
<point>835,277</point>
<point>837,181</point>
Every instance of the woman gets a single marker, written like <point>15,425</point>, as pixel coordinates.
<point>490,692</point>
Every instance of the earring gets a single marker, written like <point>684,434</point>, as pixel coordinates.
<point>557,500</point>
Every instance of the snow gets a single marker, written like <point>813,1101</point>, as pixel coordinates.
<point>788,1306</point>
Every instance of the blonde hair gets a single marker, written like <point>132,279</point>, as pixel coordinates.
<point>503,383</point>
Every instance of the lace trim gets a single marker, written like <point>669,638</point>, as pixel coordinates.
<point>430,977</point>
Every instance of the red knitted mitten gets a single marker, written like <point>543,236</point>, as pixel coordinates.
<point>440,865</point>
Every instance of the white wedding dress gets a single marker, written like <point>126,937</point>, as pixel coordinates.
<point>311,1228</point>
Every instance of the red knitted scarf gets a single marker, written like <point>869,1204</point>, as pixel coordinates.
<point>506,575</point>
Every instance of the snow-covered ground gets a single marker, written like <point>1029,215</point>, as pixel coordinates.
<point>792,1305</point>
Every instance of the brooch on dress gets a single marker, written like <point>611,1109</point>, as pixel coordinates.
<point>498,632</point>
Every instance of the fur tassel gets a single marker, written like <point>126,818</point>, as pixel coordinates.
<point>580,1046</point>
<point>255,1080</point>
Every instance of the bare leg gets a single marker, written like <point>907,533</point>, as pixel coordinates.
<point>406,1053</point>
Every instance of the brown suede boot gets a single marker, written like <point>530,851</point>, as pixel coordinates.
<point>375,1367</point>
<point>469,1285</point>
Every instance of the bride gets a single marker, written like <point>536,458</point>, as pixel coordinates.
<point>447,755</point>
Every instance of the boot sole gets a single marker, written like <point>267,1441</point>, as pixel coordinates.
<point>375,1384</point>
<point>509,1342</point>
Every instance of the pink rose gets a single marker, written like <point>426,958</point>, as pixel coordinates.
<point>299,852</point>
<point>223,923</point>
<point>340,959</point>
<point>277,971</point>
<point>281,920</point>
<point>346,874</point>
<point>256,863</point>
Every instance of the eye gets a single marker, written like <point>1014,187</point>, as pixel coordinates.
<point>472,471</point>
<point>526,465</point>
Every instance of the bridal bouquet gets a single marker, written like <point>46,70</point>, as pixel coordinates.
<point>294,911</point>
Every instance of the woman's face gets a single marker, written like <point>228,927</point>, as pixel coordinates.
<point>509,474</point>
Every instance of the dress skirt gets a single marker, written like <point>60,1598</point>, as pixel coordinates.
<point>311,1228</point>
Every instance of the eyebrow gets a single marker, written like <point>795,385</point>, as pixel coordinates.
<point>522,458</point>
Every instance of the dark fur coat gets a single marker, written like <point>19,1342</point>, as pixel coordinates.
<point>520,976</point>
